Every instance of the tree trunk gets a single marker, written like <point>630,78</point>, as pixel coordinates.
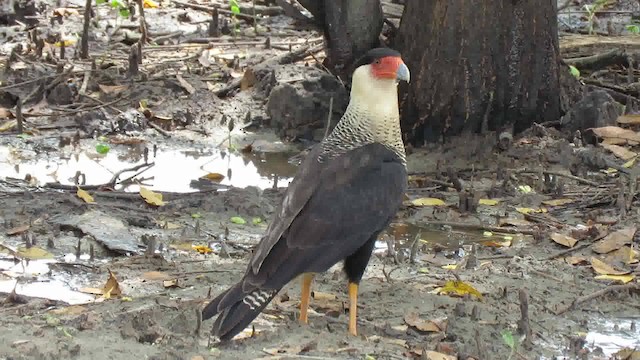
<point>351,28</point>
<point>478,65</point>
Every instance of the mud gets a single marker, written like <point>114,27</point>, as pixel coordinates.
<point>170,260</point>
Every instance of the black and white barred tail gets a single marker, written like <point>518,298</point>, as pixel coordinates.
<point>237,309</point>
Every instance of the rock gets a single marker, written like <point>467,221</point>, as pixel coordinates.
<point>298,109</point>
<point>107,230</point>
<point>596,109</point>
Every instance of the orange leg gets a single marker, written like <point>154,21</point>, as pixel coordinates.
<point>353,308</point>
<point>307,278</point>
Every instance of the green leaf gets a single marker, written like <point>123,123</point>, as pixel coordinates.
<point>235,9</point>
<point>507,337</point>
<point>196,215</point>
<point>98,2</point>
<point>635,29</point>
<point>574,71</point>
<point>256,220</point>
<point>124,12</point>
<point>114,3</point>
<point>102,148</point>
<point>238,220</point>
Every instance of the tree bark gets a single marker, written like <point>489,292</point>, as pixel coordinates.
<point>478,65</point>
<point>351,28</point>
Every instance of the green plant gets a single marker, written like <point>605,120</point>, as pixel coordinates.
<point>633,28</point>
<point>235,10</point>
<point>122,7</point>
<point>591,12</point>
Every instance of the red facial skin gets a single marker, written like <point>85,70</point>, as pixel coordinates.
<point>386,67</point>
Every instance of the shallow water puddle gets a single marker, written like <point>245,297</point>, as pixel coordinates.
<point>39,282</point>
<point>613,335</point>
<point>174,170</point>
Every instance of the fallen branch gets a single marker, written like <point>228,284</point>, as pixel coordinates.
<point>558,173</point>
<point>597,294</point>
<point>110,184</point>
<point>477,227</point>
<point>599,61</point>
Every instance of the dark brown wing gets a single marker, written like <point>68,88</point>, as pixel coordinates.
<point>350,198</point>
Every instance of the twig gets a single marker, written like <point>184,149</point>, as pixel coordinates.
<point>558,173</point>
<point>110,184</point>
<point>210,9</point>
<point>84,42</point>
<point>326,130</point>
<point>198,272</point>
<point>476,227</point>
<point>159,129</point>
<point>597,294</point>
<point>523,324</point>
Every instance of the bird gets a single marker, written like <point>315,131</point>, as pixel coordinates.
<point>346,191</point>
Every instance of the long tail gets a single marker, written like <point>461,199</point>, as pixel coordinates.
<point>237,309</point>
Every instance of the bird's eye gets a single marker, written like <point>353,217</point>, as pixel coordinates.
<point>377,62</point>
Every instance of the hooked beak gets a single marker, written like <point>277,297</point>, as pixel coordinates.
<point>403,74</point>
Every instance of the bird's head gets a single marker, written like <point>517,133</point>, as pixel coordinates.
<point>376,77</point>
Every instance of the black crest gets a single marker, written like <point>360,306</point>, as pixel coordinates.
<point>375,54</point>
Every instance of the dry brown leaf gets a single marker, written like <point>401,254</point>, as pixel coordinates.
<point>84,195</point>
<point>5,113</point>
<point>69,310</point>
<point>65,12</point>
<point>563,239</point>
<point>576,260</point>
<point>615,240</point>
<point>17,230</point>
<point>413,319</point>
<point>619,151</point>
<point>112,287</point>
<point>173,283</point>
<point>434,355</point>
<point>155,275</point>
<point>625,255</point>
<point>617,133</point>
<point>603,268</point>
<point>628,354</point>
<point>112,89</point>
<point>557,202</point>
<point>216,177</point>
<point>317,295</point>
<point>151,197</point>
<point>8,125</point>
<point>248,79</point>
<point>630,119</point>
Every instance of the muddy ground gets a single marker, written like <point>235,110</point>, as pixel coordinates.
<point>520,229</point>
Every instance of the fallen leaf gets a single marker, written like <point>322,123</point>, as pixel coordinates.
<point>628,354</point>
<point>182,245</point>
<point>563,239</point>
<point>112,287</point>
<point>413,319</point>
<point>8,125</point>
<point>525,189</point>
<point>625,254</point>
<point>617,134</point>
<point>427,202</point>
<point>515,222</point>
<point>70,310</point>
<point>615,240</point>
<point>150,4</point>
<point>238,220</point>
<point>450,266</point>
<point>17,230</point>
<point>619,151</point>
<point>156,275</point>
<point>530,210</point>
<point>318,295</point>
<point>84,195</point>
<point>629,163</point>
<point>576,260</point>
<point>458,288</point>
<point>5,114</point>
<point>630,119</point>
<point>151,197</point>
<point>173,283</point>
<point>496,244</point>
<point>434,355</point>
<point>216,177</point>
<point>488,202</point>
<point>112,89</point>
<point>557,202</point>
<point>65,12</point>
<point>621,278</point>
<point>34,253</point>
<point>603,268</point>
<point>248,79</point>
<point>202,249</point>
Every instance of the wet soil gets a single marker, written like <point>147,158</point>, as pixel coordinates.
<point>517,285</point>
